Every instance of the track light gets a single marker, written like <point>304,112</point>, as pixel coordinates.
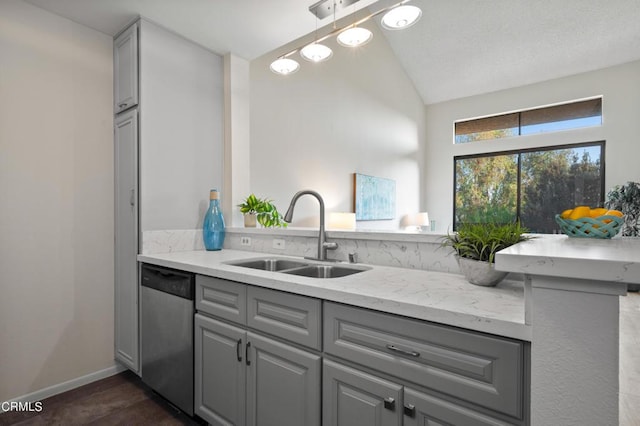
<point>396,17</point>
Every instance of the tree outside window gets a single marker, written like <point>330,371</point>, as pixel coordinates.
<point>529,185</point>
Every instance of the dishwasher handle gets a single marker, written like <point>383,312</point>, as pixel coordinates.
<point>166,280</point>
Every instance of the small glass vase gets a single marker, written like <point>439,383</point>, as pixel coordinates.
<point>213,227</point>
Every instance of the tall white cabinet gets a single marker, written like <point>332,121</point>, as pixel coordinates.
<point>168,135</point>
<point>126,238</point>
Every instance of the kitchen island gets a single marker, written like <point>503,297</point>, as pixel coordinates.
<point>572,288</point>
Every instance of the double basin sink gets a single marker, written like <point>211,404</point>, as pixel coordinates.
<point>301,268</point>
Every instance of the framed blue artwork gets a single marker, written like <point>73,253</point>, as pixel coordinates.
<point>374,198</point>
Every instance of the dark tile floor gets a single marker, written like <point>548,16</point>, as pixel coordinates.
<point>118,400</point>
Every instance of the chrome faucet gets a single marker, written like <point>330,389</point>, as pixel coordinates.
<point>323,245</point>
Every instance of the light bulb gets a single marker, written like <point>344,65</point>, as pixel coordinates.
<point>401,17</point>
<point>355,36</point>
<point>284,66</point>
<point>315,52</point>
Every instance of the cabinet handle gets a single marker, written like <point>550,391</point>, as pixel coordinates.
<point>390,403</point>
<point>246,353</point>
<point>122,105</point>
<point>238,350</point>
<point>132,199</point>
<point>409,410</point>
<point>403,352</point>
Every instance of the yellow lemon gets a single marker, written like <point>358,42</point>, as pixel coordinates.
<point>579,212</point>
<point>614,213</point>
<point>565,214</point>
<point>597,212</point>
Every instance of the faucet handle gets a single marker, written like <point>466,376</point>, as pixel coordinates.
<point>330,245</point>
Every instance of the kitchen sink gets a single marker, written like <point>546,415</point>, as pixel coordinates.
<point>295,267</point>
<point>269,264</point>
<point>325,271</point>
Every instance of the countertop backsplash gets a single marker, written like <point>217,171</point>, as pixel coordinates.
<point>405,250</point>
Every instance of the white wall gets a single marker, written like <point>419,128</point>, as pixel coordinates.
<point>181,127</point>
<point>357,112</point>
<point>237,112</point>
<point>56,200</point>
<point>620,88</point>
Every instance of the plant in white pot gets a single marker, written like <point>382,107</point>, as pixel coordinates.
<point>476,245</point>
<point>262,211</point>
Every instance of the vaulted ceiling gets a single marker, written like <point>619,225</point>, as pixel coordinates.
<point>459,48</point>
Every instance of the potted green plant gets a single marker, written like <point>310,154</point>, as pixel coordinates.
<point>249,208</point>
<point>476,245</point>
<point>626,198</point>
<point>262,211</point>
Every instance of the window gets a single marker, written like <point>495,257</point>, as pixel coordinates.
<point>528,185</point>
<point>547,119</point>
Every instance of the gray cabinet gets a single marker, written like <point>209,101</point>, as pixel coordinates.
<point>478,368</point>
<point>244,377</point>
<point>126,239</point>
<point>183,135</point>
<point>283,384</point>
<point>355,398</point>
<point>289,316</point>
<point>423,409</point>
<point>220,381</point>
<point>352,397</point>
<point>221,298</point>
<point>125,69</point>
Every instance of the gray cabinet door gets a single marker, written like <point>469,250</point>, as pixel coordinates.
<point>220,372</point>
<point>125,69</point>
<point>283,384</point>
<point>352,397</point>
<point>427,410</point>
<point>126,239</point>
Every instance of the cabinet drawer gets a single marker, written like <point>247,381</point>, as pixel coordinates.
<point>292,317</point>
<point>478,368</point>
<point>222,298</point>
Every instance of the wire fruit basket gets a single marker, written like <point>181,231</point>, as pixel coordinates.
<point>606,226</point>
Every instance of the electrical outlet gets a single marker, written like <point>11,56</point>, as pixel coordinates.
<point>245,241</point>
<point>278,244</point>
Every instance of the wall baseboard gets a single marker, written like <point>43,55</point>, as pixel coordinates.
<point>47,392</point>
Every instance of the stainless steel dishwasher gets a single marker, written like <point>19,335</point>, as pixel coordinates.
<point>167,309</point>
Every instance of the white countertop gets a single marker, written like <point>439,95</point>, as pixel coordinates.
<point>433,296</point>
<point>612,260</point>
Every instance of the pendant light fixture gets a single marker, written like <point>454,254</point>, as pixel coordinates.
<point>401,17</point>
<point>354,37</point>
<point>284,66</point>
<point>316,52</point>
<point>396,17</point>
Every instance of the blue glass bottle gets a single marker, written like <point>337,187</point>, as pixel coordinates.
<point>213,228</point>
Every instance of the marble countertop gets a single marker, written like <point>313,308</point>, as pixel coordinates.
<point>433,296</point>
<point>611,260</point>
